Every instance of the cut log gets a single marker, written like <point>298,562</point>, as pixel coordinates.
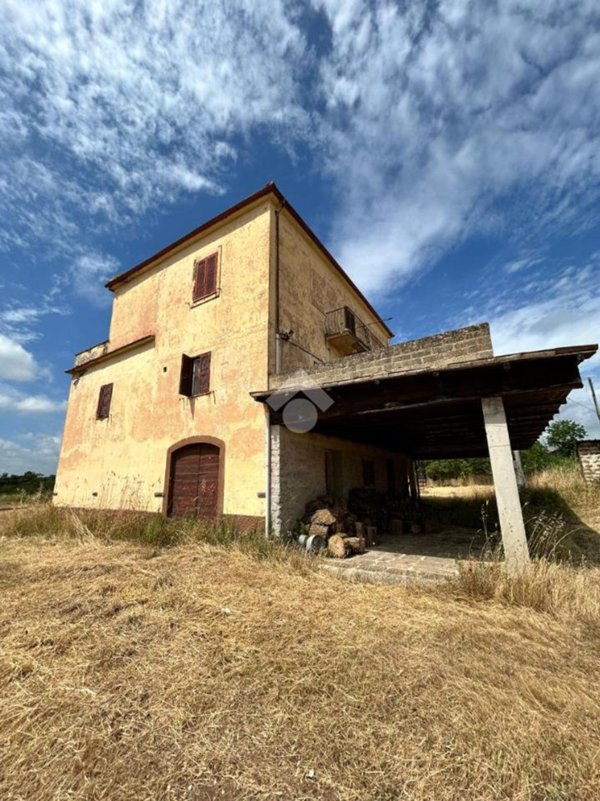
<point>337,547</point>
<point>318,530</point>
<point>416,528</point>
<point>396,527</point>
<point>340,547</point>
<point>323,517</point>
<point>355,544</point>
<point>359,529</point>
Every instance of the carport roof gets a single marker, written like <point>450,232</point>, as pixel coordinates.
<point>436,413</point>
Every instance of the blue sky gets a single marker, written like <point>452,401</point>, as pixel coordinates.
<point>447,153</point>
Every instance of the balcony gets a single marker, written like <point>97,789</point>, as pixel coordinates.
<point>91,354</point>
<point>348,334</point>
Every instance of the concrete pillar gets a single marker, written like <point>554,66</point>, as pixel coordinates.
<point>505,485</point>
<point>520,473</point>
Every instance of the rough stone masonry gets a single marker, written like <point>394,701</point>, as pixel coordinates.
<point>589,457</point>
<point>441,350</point>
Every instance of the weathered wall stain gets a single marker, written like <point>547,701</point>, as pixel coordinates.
<point>123,458</point>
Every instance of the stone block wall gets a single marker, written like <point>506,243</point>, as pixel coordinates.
<point>298,471</point>
<point>441,350</point>
<point>589,458</point>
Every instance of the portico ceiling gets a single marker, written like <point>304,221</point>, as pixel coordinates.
<point>436,413</point>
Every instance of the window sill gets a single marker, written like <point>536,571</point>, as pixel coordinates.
<point>198,395</point>
<point>208,298</point>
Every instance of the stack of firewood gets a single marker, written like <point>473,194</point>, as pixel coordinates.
<point>345,531</point>
<point>332,527</point>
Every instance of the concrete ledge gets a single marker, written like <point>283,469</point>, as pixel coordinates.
<point>376,567</point>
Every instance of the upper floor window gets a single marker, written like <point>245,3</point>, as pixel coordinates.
<point>195,375</point>
<point>205,277</point>
<point>104,399</point>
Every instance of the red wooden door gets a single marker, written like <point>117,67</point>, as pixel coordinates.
<point>194,484</point>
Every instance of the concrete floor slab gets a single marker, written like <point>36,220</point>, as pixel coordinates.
<point>423,558</point>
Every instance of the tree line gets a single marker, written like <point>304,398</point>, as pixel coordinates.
<point>28,482</point>
<point>559,447</point>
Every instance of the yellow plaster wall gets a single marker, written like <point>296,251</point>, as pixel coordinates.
<point>310,286</point>
<point>123,458</point>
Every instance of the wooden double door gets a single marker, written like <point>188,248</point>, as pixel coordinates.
<point>194,481</point>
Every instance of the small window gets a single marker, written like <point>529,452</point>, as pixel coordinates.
<point>368,473</point>
<point>205,277</point>
<point>195,375</point>
<point>104,399</point>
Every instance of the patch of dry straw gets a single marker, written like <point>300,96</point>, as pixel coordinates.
<point>199,672</point>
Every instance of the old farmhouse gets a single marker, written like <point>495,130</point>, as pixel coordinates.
<point>245,374</point>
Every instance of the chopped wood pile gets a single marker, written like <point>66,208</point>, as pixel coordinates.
<point>345,531</point>
<point>340,545</point>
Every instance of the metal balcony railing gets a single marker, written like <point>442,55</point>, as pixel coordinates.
<point>347,331</point>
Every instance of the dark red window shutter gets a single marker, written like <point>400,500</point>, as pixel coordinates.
<point>201,383</point>
<point>205,277</point>
<point>211,274</point>
<point>104,399</point>
<point>187,375</point>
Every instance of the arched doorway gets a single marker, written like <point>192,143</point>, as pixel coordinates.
<point>195,478</point>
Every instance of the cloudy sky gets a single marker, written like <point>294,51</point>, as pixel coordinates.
<point>447,152</point>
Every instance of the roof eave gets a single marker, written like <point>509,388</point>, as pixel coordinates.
<point>270,189</point>
<point>121,278</point>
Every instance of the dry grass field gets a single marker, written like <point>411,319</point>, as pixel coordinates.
<point>234,670</point>
<point>561,511</point>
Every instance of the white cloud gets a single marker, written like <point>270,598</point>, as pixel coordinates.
<point>41,455</point>
<point>522,263</point>
<point>567,316</point>
<point>425,115</point>
<point>438,112</point>
<point>19,321</point>
<point>20,315</point>
<point>14,401</point>
<point>16,363</point>
<point>131,103</point>
<point>88,273</point>
<point>580,407</point>
<point>566,312</point>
